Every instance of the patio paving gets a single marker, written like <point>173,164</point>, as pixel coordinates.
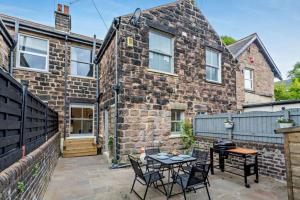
<point>88,178</point>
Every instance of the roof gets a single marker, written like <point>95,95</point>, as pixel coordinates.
<point>283,102</point>
<point>241,45</point>
<point>47,30</point>
<point>6,36</point>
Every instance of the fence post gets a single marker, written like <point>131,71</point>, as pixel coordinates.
<point>230,130</point>
<point>46,121</point>
<point>23,116</point>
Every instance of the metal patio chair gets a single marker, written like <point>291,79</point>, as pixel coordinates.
<point>148,178</point>
<point>196,179</point>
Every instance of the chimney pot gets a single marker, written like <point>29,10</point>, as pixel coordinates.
<point>66,9</point>
<point>59,7</point>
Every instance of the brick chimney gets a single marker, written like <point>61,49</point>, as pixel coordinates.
<point>62,18</point>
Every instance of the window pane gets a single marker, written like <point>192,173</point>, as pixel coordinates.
<point>212,58</point>
<point>33,45</point>
<point>87,126</point>
<point>76,112</point>
<point>160,62</point>
<point>247,74</point>
<point>32,61</point>
<point>160,43</point>
<point>173,115</point>
<point>178,127</point>
<point>76,127</point>
<point>87,113</point>
<point>173,127</point>
<point>212,73</point>
<point>248,84</point>
<point>81,55</point>
<point>81,69</point>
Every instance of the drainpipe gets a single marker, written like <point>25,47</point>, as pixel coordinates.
<point>116,89</point>
<point>11,51</point>
<point>65,88</point>
<point>96,68</point>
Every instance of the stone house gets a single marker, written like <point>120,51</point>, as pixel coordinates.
<point>167,67</point>
<point>58,66</point>
<point>257,70</point>
<point>6,44</point>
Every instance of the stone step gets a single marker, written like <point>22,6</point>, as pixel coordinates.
<point>79,147</point>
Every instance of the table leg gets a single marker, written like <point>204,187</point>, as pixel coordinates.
<point>212,161</point>
<point>256,168</point>
<point>221,161</point>
<point>245,173</point>
<point>168,188</point>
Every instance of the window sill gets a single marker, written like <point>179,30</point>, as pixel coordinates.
<point>175,135</point>
<point>83,77</point>
<point>31,70</point>
<point>249,91</point>
<point>162,72</point>
<point>214,82</point>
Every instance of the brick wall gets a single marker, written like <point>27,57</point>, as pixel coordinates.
<point>34,172</point>
<point>4,53</point>
<point>271,158</point>
<point>147,97</point>
<point>263,78</point>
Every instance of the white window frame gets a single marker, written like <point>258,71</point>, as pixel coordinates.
<point>176,121</point>
<point>251,79</point>
<point>18,66</point>
<point>160,53</point>
<point>219,68</point>
<point>88,77</point>
<point>81,105</point>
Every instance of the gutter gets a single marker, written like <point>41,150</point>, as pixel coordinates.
<point>286,102</point>
<point>65,88</point>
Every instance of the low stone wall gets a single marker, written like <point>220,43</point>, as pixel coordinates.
<point>28,178</point>
<point>271,158</point>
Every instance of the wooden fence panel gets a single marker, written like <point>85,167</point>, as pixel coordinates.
<point>25,121</point>
<point>250,126</point>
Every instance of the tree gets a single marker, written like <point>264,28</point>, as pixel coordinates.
<point>227,40</point>
<point>292,91</point>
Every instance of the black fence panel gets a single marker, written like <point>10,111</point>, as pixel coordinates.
<point>25,121</point>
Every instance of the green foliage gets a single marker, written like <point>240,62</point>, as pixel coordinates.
<point>110,142</point>
<point>295,72</point>
<point>35,170</point>
<point>21,186</point>
<point>283,120</point>
<point>187,137</point>
<point>227,40</point>
<point>281,92</point>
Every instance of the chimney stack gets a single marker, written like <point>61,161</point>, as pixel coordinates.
<point>62,18</point>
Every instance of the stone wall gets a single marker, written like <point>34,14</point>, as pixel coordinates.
<point>4,53</point>
<point>29,177</point>
<point>50,86</point>
<point>271,158</point>
<point>147,97</point>
<point>263,78</point>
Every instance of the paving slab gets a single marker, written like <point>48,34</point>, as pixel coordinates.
<point>89,178</point>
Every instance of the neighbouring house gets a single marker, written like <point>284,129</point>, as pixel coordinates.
<point>169,67</point>
<point>257,70</point>
<point>58,66</point>
<point>6,45</point>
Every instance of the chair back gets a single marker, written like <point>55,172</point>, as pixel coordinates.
<point>136,167</point>
<point>152,151</point>
<point>198,174</point>
<point>201,155</point>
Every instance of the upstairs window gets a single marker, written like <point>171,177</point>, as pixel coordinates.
<point>248,77</point>
<point>81,62</point>
<point>161,52</point>
<point>32,53</point>
<point>213,66</point>
<point>177,116</point>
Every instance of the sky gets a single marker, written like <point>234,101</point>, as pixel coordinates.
<point>277,22</point>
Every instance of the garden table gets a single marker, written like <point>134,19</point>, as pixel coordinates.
<point>171,163</point>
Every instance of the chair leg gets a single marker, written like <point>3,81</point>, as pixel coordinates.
<point>207,192</point>
<point>133,185</point>
<point>208,181</point>
<point>183,190</point>
<point>146,191</point>
<point>162,183</point>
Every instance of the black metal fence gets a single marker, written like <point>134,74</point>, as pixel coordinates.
<point>25,121</point>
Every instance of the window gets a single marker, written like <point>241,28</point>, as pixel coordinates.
<point>176,118</point>
<point>82,119</point>
<point>248,76</point>
<point>81,62</point>
<point>213,66</point>
<point>32,53</point>
<point>161,52</point>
